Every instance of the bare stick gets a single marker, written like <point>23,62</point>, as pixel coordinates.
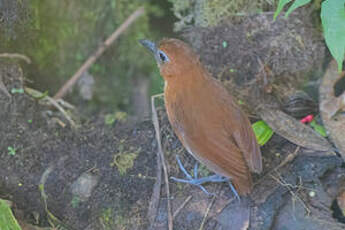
<point>155,197</point>
<point>293,194</point>
<point>182,206</point>
<point>206,213</point>
<point>158,137</point>
<point>288,159</point>
<point>62,110</point>
<point>224,205</point>
<point>63,90</point>
<point>34,93</point>
<point>14,55</point>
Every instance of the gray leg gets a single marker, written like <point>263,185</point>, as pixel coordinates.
<point>199,181</point>
<point>234,191</point>
<point>190,179</point>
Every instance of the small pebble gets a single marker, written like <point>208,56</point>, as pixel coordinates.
<point>312,194</point>
<point>84,185</point>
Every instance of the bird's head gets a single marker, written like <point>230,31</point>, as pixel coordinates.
<point>174,58</point>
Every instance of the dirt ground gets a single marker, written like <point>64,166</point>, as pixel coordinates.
<point>99,176</point>
<point>69,154</point>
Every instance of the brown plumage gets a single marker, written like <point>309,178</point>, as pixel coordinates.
<point>205,118</point>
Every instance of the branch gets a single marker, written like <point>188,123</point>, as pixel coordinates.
<point>160,151</point>
<point>38,95</point>
<point>14,55</point>
<point>63,90</point>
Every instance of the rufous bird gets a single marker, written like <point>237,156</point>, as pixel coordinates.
<point>204,116</point>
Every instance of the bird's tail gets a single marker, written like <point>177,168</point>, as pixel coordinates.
<point>243,185</point>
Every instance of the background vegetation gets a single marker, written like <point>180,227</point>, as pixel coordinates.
<point>60,35</point>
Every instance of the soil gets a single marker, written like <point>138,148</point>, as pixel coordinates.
<point>87,175</point>
<point>40,143</point>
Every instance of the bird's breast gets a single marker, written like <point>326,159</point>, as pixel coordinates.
<point>189,108</point>
<point>186,117</point>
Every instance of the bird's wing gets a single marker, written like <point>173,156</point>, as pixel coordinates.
<point>239,129</point>
<point>221,155</point>
<point>246,141</point>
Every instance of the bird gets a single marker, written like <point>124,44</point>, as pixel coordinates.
<point>205,118</point>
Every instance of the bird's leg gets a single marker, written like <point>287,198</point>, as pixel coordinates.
<point>234,191</point>
<point>199,181</point>
<point>196,170</point>
<point>190,179</point>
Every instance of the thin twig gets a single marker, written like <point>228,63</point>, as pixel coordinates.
<point>206,213</point>
<point>182,206</point>
<point>52,220</point>
<point>62,110</point>
<point>14,55</point>
<point>293,194</point>
<point>35,94</point>
<point>155,197</point>
<point>63,90</point>
<point>65,104</point>
<point>160,150</point>
<point>225,205</point>
<point>288,158</point>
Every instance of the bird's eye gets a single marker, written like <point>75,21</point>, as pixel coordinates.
<point>163,57</point>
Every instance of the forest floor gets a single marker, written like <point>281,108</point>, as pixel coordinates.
<point>94,175</point>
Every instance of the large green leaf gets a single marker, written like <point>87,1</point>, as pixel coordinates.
<point>262,132</point>
<point>333,23</point>
<point>295,5</point>
<point>280,6</point>
<point>7,220</point>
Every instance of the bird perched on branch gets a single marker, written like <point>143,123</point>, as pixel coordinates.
<point>205,118</point>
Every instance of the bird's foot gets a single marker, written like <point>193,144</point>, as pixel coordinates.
<point>199,181</point>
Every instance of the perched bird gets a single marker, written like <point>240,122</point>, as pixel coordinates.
<point>205,118</point>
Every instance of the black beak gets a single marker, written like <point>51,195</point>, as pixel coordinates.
<point>151,46</point>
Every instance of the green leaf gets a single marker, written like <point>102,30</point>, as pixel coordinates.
<point>318,128</point>
<point>333,23</point>
<point>262,132</point>
<point>280,6</point>
<point>11,151</point>
<point>109,119</point>
<point>15,90</point>
<point>75,202</point>
<point>295,5</point>
<point>43,95</point>
<point>7,220</point>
